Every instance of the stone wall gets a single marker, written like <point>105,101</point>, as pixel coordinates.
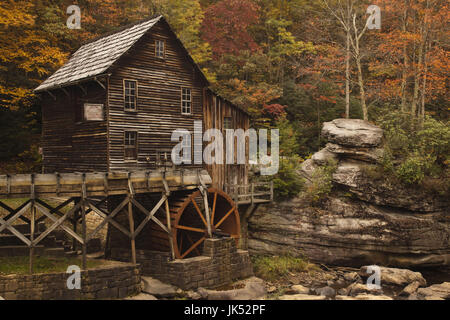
<point>109,282</point>
<point>93,220</point>
<point>221,264</point>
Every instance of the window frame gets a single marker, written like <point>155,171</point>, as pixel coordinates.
<point>157,41</point>
<point>125,146</point>
<point>190,101</point>
<point>125,96</point>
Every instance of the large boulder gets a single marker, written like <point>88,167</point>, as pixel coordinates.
<point>435,292</point>
<point>323,157</point>
<point>371,155</point>
<point>353,133</point>
<point>254,289</point>
<point>157,288</point>
<point>307,170</point>
<point>395,276</point>
<point>351,175</point>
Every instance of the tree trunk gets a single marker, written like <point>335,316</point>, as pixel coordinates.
<point>405,60</point>
<point>347,77</point>
<point>362,92</point>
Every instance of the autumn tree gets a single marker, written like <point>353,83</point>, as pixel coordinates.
<point>27,53</point>
<point>226,26</point>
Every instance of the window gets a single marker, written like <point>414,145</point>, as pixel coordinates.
<point>186,101</point>
<point>131,145</point>
<point>130,93</point>
<point>228,123</point>
<point>160,49</point>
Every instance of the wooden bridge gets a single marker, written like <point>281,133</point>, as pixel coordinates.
<point>207,211</point>
<point>83,191</point>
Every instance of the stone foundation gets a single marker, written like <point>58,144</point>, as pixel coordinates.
<point>109,282</point>
<point>221,264</point>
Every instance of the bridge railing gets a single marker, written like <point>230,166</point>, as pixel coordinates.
<point>252,193</point>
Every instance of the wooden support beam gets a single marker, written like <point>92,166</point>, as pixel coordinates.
<point>55,220</point>
<point>131,220</point>
<point>204,192</point>
<point>150,215</point>
<point>66,92</point>
<point>32,227</point>
<point>271,191</point>
<point>169,226</point>
<point>52,210</point>
<point>101,84</point>
<point>82,89</point>
<point>83,221</point>
<point>133,240</point>
<point>51,95</point>
<point>57,224</point>
<point>14,211</point>
<point>8,223</point>
<point>109,218</point>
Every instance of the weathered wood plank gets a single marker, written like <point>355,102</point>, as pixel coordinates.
<point>70,184</point>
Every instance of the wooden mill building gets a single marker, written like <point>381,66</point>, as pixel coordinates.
<point>114,105</point>
<point>112,109</point>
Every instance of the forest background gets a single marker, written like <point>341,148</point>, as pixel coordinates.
<point>292,64</point>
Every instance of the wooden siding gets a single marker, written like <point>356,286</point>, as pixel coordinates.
<point>215,111</point>
<point>99,146</point>
<point>70,144</point>
<point>159,99</point>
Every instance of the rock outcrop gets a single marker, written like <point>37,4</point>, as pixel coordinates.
<point>435,292</point>
<point>364,220</point>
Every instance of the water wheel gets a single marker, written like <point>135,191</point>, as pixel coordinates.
<point>189,222</point>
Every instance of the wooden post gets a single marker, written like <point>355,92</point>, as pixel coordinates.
<point>169,226</point>
<point>83,219</point>
<point>207,214</point>
<point>75,219</point>
<point>32,224</point>
<point>253,193</point>
<point>271,191</point>
<point>132,231</point>
<point>131,194</point>
<point>32,227</point>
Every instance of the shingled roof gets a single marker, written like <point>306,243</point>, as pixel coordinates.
<point>95,58</point>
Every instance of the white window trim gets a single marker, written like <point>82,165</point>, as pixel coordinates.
<point>181,98</point>
<point>125,146</point>
<point>124,95</point>
<point>164,49</point>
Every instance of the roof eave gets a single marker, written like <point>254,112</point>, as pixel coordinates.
<point>71,83</point>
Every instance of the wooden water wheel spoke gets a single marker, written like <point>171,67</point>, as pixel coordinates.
<point>225,218</point>
<point>199,242</point>
<point>199,212</point>
<point>192,243</point>
<point>190,229</point>
<point>214,208</point>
